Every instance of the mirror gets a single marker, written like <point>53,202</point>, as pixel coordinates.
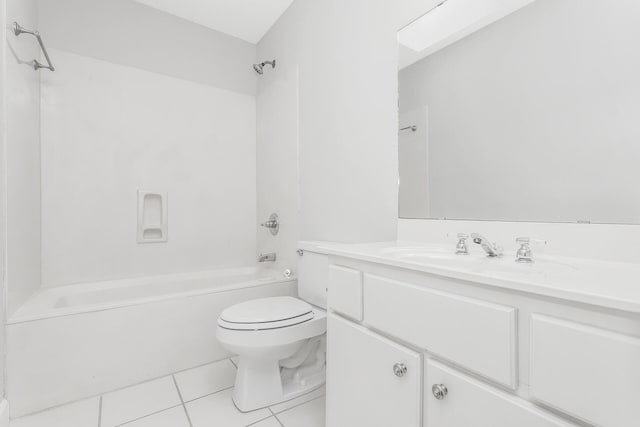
<point>518,110</point>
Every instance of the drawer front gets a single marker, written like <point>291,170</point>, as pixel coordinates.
<point>469,402</point>
<point>345,291</point>
<point>474,334</point>
<point>363,386</point>
<point>590,373</point>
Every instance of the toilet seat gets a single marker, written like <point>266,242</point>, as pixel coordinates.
<point>266,314</point>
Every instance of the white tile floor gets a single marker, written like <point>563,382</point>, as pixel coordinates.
<point>199,397</point>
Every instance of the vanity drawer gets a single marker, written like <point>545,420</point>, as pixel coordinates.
<point>590,373</point>
<point>345,291</point>
<point>477,335</point>
<point>469,402</point>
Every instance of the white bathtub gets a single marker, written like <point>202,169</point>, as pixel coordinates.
<point>76,341</point>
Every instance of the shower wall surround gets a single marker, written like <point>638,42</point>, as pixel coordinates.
<point>23,157</point>
<point>171,108</point>
<point>195,142</point>
<point>4,411</point>
<point>277,163</point>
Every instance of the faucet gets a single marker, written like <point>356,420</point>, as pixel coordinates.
<point>461,247</point>
<point>492,249</point>
<point>524,253</point>
<point>271,257</point>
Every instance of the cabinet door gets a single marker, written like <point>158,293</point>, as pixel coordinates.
<point>461,401</point>
<point>371,381</point>
<point>587,372</point>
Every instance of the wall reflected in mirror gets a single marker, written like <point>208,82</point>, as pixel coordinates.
<point>521,111</point>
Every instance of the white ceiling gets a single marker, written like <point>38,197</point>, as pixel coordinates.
<point>245,19</point>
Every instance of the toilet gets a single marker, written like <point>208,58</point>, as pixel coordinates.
<point>280,341</point>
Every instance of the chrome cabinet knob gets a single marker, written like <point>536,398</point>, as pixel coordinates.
<point>439,391</point>
<point>399,369</point>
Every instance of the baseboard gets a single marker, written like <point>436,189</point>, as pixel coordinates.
<point>4,413</point>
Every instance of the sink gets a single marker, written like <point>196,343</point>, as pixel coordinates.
<point>479,263</point>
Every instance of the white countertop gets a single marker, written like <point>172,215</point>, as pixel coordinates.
<point>614,285</point>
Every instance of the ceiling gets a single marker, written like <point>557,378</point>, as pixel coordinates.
<point>248,20</point>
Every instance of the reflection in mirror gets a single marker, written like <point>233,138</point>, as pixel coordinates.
<point>523,111</point>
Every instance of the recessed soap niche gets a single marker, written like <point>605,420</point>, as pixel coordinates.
<point>152,217</point>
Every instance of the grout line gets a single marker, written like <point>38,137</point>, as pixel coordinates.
<point>278,420</point>
<point>207,395</point>
<point>233,363</point>
<point>175,382</point>
<point>100,412</point>
<point>295,406</point>
<point>122,388</point>
<point>187,414</point>
<point>146,416</point>
<point>260,420</point>
<point>182,400</point>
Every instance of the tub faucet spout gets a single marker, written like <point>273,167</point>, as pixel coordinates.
<point>271,257</point>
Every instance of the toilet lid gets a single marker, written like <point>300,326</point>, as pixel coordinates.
<point>266,313</point>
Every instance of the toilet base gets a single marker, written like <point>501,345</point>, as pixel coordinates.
<point>291,391</point>
<point>265,382</point>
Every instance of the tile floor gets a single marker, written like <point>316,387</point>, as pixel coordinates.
<point>199,397</point>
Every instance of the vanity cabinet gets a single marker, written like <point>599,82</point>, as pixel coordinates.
<point>484,333</point>
<point>469,402</point>
<point>372,381</point>
<point>469,355</point>
<point>591,373</point>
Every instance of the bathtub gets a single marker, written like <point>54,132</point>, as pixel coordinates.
<point>73,342</point>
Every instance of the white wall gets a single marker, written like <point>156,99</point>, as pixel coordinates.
<point>346,54</point>
<point>277,163</point>
<point>534,118</point>
<point>3,213</point>
<point>128,33</point>
<point>109,130</point>
<point>22,156</point>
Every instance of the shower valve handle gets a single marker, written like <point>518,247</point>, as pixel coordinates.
<point>272,224</point>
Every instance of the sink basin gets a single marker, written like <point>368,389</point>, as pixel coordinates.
<point>505,265</point>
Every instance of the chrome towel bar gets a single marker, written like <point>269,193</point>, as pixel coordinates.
<point>17,30</point>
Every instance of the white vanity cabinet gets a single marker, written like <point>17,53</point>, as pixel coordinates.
<point>372,381</point>
<point>472,355</point>
<point>453,399</point>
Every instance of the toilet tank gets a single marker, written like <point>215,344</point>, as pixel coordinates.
<point>313,273</point>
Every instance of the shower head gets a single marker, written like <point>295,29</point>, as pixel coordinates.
<point>260,67</point>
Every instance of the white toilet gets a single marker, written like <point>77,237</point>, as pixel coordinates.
<point>280,341</point>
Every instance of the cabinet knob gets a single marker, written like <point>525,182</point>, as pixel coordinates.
<point>399,369</point>
<point>439,391</point>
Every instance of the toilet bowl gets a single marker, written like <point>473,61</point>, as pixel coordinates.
<point>281,346</point>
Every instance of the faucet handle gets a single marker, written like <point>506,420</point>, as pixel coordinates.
<point>524,253</point>
<point>461,246</point>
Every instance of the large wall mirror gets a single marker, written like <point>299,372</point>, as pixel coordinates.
<point>521,110</point>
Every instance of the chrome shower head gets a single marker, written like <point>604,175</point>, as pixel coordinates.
<point>259,68</point>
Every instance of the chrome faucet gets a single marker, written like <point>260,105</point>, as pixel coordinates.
<point>492,249</point>
<point>461,247</point>
<point>524,253</point>
<point>270,257</point>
